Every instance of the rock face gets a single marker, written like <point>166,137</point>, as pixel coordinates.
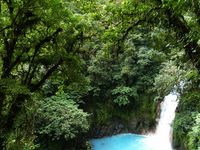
<point>141,122</point>
<point>108,129</point>
<point>118,126</point>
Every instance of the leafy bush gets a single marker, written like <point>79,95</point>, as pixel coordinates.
<point>169,76</point>
<point>187,130</point>
<point>123,94</point>
<point>59,117</point>
<point>17,141</point>
<point>194,134</point>
<point>187,121</point>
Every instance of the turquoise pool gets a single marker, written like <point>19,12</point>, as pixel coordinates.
<point>122,142</point>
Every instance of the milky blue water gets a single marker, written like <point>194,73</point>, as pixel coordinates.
<point>160,140</point>
<point>121,142</point>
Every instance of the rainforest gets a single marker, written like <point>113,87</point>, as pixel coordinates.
<point>76,72</point>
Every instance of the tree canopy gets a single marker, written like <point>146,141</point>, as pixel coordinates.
<point>68,67</point>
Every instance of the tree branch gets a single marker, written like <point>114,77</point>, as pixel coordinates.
<point>182,30</point>
<point>11,38</point>
<point>46,76</point>
<point>196,9</point>
<point>32,74</point>
<point>37,48</point>
<point>9,47</point>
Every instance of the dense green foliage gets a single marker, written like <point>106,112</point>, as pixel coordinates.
<point>68,68</point>
<point>58,116</point>
<point>186,124</point>
<point>39,41</point>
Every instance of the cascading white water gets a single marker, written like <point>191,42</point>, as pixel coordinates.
<point>164,129</point>
<point>163,136</point>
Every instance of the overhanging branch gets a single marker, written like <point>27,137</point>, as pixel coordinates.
<point>46,76</point>
<point>38,46</point>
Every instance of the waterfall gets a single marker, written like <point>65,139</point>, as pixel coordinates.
<point>164,129</point>
<point>162,138</point>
